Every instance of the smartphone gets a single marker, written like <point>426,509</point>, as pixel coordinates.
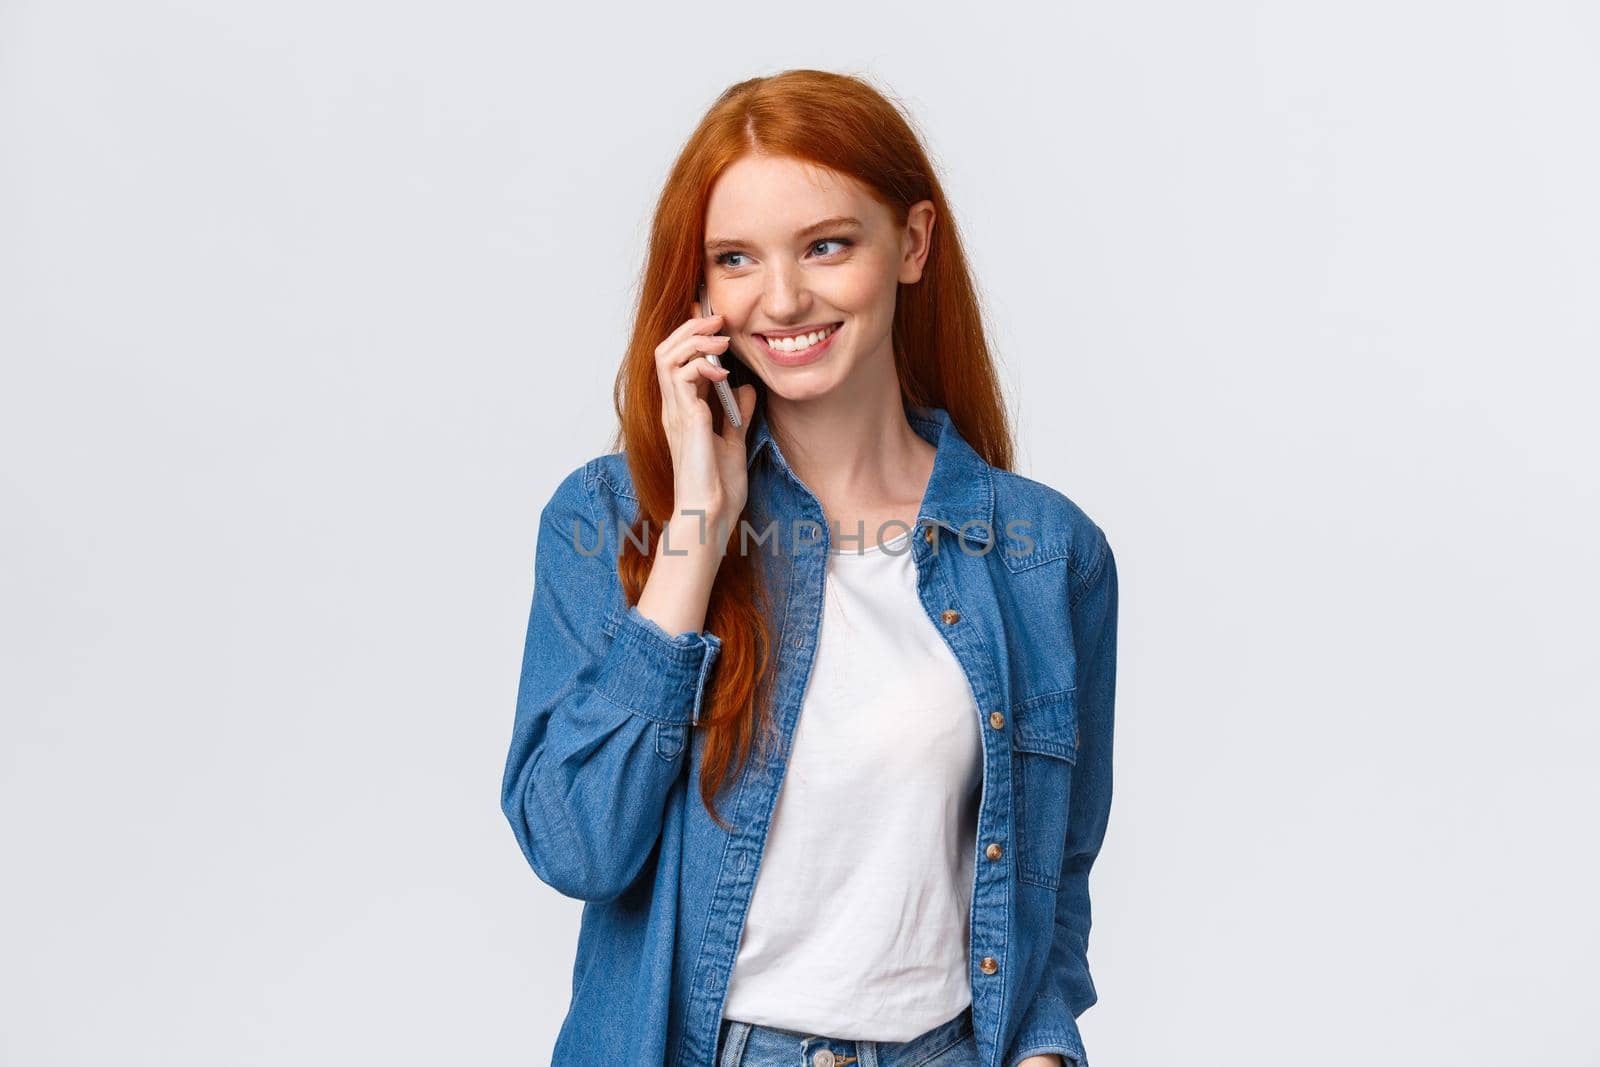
<point>730,406</point>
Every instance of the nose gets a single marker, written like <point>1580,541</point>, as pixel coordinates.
<point>783,296</point>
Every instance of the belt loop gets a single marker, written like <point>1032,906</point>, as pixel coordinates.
<point>733,1049</point>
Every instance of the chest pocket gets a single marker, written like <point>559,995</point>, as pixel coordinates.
<point>1044,753</point>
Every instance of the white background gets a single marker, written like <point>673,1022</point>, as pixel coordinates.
<point>306,307</point>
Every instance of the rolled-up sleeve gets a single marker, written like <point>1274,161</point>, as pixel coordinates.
<point>604,703</point>
<point>1050,1022</point>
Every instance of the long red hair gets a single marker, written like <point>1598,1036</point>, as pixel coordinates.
<point>941,352</point>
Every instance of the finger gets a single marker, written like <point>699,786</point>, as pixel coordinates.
<point>690,384</point>
<point>697,326</point>
<point>690,352</point>
<point>697,373</point>
<point>693,384</point>
<point>690,349</point>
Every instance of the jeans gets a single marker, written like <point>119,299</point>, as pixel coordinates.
<point>950,1044</point>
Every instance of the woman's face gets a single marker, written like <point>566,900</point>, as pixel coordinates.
<point>792,248</point>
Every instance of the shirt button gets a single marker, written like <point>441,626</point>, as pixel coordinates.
<point>823,1058</point>
<point>988,965</point>
<point>996,719</point>
<point>994,851</point>
<point>927,533</point>
<point>950,617</point>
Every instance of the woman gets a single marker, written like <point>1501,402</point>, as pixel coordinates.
<point>816,709</point>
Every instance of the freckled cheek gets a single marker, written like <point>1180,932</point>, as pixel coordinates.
<point>860,294</point>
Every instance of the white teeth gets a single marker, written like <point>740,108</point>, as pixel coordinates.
<point>801,343</point>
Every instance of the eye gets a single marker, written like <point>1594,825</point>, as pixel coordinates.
<point>845,241</point>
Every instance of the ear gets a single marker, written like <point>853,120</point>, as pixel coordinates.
<point>916,241</point>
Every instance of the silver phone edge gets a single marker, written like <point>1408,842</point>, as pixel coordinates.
<point>729,406</point>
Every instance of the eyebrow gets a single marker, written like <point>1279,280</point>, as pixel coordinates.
<point>833,222</point>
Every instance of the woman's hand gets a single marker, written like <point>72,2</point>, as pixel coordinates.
<point>708,468</point>
<point>1049,1059</point>
<point>708,475</point>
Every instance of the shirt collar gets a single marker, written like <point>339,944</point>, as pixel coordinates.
<point>960,491</point>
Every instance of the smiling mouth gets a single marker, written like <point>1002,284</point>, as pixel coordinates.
<point>793,345</point>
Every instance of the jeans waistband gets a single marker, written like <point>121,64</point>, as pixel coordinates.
<point>759,1046</point>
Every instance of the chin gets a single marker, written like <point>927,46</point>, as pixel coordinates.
<point>797,385</point>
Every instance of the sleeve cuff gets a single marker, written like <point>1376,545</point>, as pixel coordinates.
<point>655,675</point>
<point>1048,1026</point>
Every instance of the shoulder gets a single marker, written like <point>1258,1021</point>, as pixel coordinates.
<point>1038,524</point>
<point>598,488</point>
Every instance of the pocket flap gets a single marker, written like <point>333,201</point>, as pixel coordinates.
<point>1047,723</point>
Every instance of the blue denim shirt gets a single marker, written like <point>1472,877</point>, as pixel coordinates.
<point>601,783</point>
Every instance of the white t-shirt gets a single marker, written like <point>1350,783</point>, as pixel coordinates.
<point>858,927</point>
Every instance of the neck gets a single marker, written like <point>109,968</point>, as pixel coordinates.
<point>854,449</point>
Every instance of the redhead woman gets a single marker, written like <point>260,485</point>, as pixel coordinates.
<point>815,712</point>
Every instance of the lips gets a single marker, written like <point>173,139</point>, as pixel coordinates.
<point>800,356</point>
